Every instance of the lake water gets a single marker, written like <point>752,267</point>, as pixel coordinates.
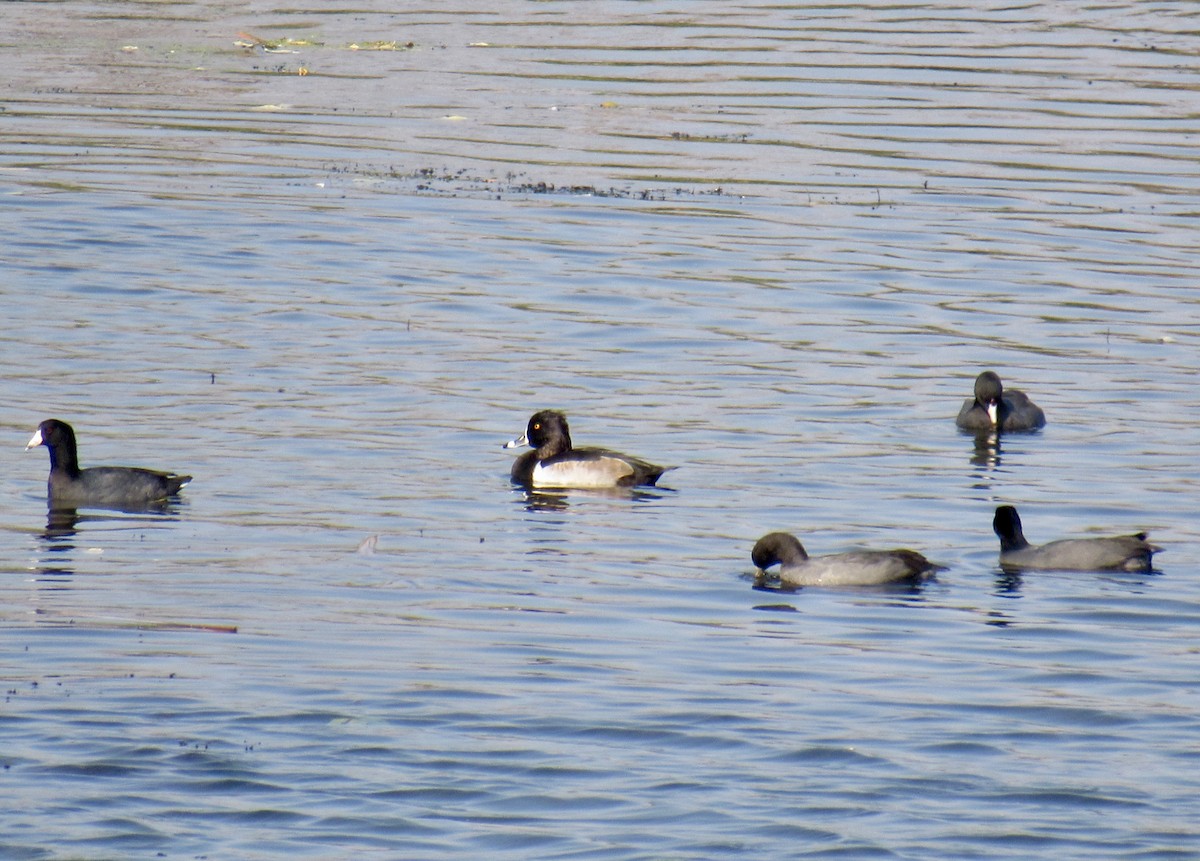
<point>771,245</point>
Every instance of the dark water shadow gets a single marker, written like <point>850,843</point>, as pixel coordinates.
<point>64,522</point>
<point>1010,581</point>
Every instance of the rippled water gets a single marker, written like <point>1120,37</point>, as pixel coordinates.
<point>771,246</point>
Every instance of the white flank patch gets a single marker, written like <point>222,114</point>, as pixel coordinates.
<point>583,474</point>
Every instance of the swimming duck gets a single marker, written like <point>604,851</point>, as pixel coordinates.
<point>998,408</point>
<point>856,568</point>
<point>1119,553</point>
<point>102,486</point>
<point>554,462</point>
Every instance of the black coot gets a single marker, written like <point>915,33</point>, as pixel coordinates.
<point>995,408</point>
<point>100,486</point>
<point>1118,552</point>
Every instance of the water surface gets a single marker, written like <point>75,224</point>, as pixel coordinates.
<point>771,246</point>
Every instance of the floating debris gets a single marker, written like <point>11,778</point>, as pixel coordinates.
<point>274,46</point>
<point>379,46</point>
<point>286,45</point>
<point>456,182</point>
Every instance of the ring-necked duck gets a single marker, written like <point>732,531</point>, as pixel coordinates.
<point>103,486</point>
<point>1120,553</point>
<point>998,408</point>
<point>554,463</point>
<point>856,568</point>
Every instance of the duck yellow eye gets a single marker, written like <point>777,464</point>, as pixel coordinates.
<point>537,426</point>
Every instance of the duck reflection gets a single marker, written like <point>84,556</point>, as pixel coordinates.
<point>997,619</point>
<point>60,524</point>
<point>63,524</point>
<point>1008,584</point>
<point>909,592</point>
<point>534,500</point>
<point>986,451</point>
<point>560,500</point>
<point>55,568</point>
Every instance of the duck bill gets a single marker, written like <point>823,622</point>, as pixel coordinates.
<point>518,442</point>
<point>35,440</point>
<point>993,409</point>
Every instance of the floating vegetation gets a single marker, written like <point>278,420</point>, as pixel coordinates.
<point>288,45</point>
<point>430,180</point>
<point>730,138</point>
<point>274,46</point>
<point>379,46</point>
